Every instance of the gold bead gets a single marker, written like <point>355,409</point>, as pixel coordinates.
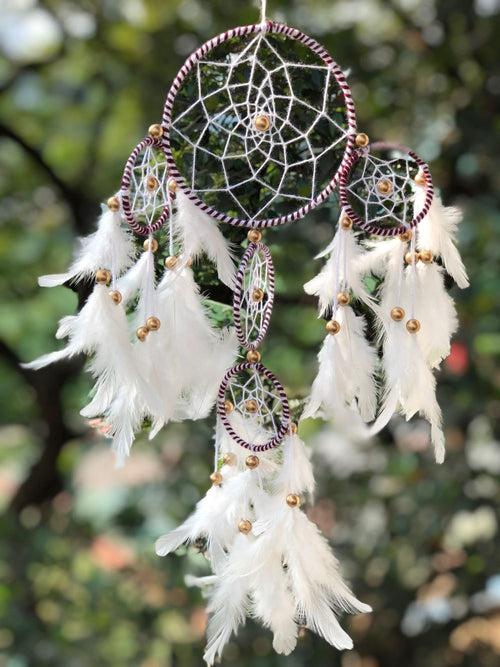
<point>411,257</point>
<point>333,327</point>
<point>346,222</point>
<point>228,407</point>
<point>245,526</point>
<point>189,262</point>
<point>116,297</point>
<point>397,313</point>
<point>216,478</point>
<point>426,256</point>
<point>257,294</point>
<point>293,428</point>
<point>254,236</point>
<point>113,204</point>
<point>152,183</point>
<point>293,500</point>
<point>103,276</point>
<point>413,326</point>
<point>142,333</point>
<point>172,185</point>
<point>150,244</point>
<point>253,356</point>
<point>420,178</point>
<point>252,461</point>
<point>384,186</point>
<point>262,123</point>
<point>251,406</point>
<point>343,299</point>
<point>406,236</point>
<point>153,323</point>
<point>229,459</point>
<point>171,262</point>
<point>155,131</point>
<point>362,140</point>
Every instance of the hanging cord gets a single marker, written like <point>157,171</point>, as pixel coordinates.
<point>413,284</point>
<point>263,14</point>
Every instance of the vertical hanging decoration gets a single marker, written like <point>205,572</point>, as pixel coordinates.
<point>258,129</point>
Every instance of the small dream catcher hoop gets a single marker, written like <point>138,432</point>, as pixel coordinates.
<point>258,129</point>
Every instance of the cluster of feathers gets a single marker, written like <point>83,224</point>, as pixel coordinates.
<point>173,374</point>
<point>347,388</point>
<point>281,570</point>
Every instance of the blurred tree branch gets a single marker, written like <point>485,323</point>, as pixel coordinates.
<point>44,481</point>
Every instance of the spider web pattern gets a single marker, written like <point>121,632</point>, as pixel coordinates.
<point>252,316</point>
<point>394,208</point>
<point>229,156</point>
<point>252,386</point>
<point>147,203</point>
<point>271,414</point>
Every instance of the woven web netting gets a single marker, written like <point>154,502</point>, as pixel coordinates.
<point>256,299</point>
<point>255,398</point>
<point>148,192</point>
<point>381,190</point>
<point>259,127</point>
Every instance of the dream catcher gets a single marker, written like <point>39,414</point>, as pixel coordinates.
<point>258,129</point>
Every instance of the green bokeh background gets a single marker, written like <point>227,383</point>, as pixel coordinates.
<point>79,583</point>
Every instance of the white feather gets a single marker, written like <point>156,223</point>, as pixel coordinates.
<point>437,232</point>
<point>201,235</point>
<point>196,355</point>
<point>340,269</point>
<point>345,378</point>
<point>109,247</point>
<point>436,313</point>
<point>129,284</point>
<point>409,383</point>
<point>296,474</point>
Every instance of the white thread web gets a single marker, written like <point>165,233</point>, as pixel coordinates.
<point>150,169</point>
<point>250,386</point>
<point>231,164</point>
<point>394,208</point>
<point>252,309</point>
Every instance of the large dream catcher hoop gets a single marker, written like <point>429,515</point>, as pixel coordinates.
<point>258,129</point>
<point>260,144</point>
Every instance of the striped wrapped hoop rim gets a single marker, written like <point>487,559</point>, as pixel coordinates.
<point>285,408</point>
<point>238,294</point>
<point>368,226</point>
<point>128,213</point>
<point>313,45</point>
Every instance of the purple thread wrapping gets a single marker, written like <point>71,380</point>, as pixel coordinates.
<point>285,408</point>
<point>238,295</point>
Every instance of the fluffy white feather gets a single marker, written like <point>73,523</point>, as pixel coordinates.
<point>109,247</point>
<point>340,270</point>
<point>410,386</point>
<point>201,235</point>
<point>436,313</point>
<point>347,364</point>
<point>296,474</point>
<point>196,355</point>
<point>129,284</point>
<point>438,231</point>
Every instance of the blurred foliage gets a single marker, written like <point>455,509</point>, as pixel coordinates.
<point>80,586</point>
